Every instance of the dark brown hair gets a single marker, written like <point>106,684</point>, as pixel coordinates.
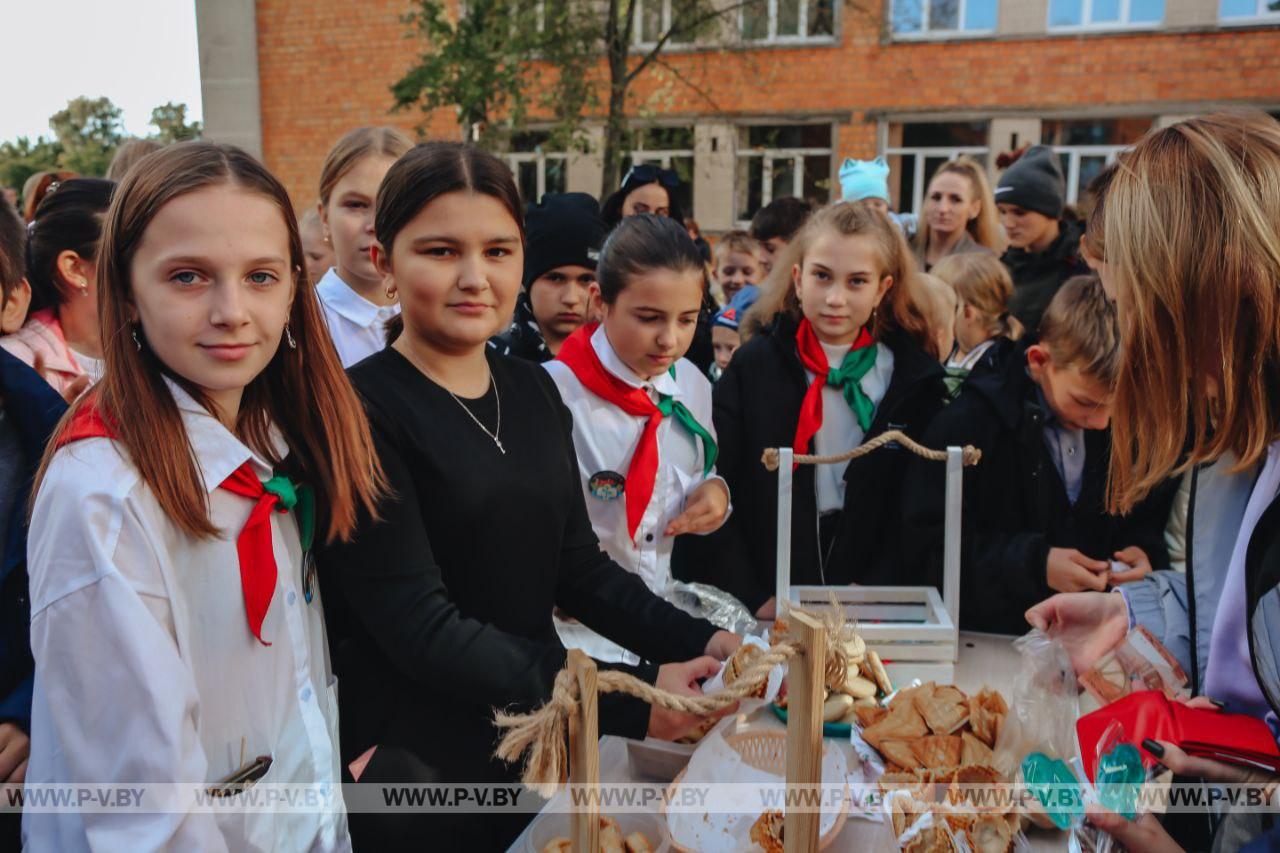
<point>69,218</point>
<point>428,171</point>
<point>641,243</point>
<point>303,392</point>
<point>13,235</point>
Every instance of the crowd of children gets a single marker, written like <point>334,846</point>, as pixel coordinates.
<point>424,435</point>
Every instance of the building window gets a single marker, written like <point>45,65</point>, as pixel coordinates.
<point>916,150</point>
<point>934,18</point>
<point>1104,14</point>
<point>787,20</point>
<point>1233,11</point>
<point>781,160</point>
<point>537,172</point>
<point>655,17</point>
<point>668,147</point>
<point>1086,146</point>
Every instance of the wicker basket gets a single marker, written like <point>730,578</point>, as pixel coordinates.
<point>767,751</point>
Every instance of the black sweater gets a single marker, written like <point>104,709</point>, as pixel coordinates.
<point>757,405</point>
<point>1015,504</point>
<point>441,610</point>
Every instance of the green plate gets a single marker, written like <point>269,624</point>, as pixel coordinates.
<point>835,730</point>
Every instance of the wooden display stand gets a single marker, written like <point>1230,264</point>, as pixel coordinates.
<point>805,683</point>
<point>913,629</point>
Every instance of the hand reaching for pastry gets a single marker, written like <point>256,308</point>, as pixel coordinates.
<point>682,678</point>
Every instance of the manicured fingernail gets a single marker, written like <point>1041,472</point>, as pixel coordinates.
<point>1154,747</point>
<point>1218,703</point>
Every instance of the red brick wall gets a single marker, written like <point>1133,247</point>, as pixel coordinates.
<point>327,65</point>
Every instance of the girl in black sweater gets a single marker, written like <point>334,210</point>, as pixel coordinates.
<point>844,309</point>
<point>439,609</point>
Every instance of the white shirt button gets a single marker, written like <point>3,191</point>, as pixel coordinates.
<point>306,694</point>
<point>291,597</point>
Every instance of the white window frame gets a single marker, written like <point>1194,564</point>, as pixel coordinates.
<point>515,158</point>
<point>768,156</point>
<point>927,34</point>
<point>637,30</point>
<point>1087,25</point>
<point>771,29</point>
<point>919,154</point>
<point>1075,152</point>
<point>1261,15</point>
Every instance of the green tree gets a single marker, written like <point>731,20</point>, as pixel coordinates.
<point>22,158</point>
<point>89,129</point>
<point>488,61</point>
<point>170,120</point>
<point>485,61</point>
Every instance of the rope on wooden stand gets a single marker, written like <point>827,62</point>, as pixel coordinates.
<point>971,454</point>
<point>542,733</point>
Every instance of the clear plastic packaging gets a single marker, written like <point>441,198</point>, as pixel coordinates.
<point>715,605</point>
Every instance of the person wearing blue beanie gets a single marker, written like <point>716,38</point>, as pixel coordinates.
<point>725,336</point>
<point>865,180</point>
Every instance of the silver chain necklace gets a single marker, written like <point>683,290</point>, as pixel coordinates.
<point>498,427</point>
<point>493,383</point>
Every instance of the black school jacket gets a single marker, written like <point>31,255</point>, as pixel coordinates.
<point>756,405</point>
<point>1015,504</point>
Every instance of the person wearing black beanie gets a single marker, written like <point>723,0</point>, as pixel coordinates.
<point>1044,249</point>
<point>563,235</point>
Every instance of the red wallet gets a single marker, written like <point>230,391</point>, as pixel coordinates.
<point>1232,738</point>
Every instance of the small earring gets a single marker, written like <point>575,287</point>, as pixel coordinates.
<point>391,292</point>
<point>84,291</point>
<point>327,241</point>
<point>137,342</point>
<point>288,336</point>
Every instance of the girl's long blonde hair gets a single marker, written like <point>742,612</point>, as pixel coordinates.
<point>981,280</point>
<point>1192,243</point>
<point>904,305</point>
<point>983,228</point>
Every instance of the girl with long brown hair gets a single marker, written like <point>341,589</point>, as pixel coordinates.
<point>175,622</point>
<point>1186,243</point>
<point>847,353</point>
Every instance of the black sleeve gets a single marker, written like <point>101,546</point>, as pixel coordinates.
<point>1001,571</point>
<point>730,566</point>
<point>607,598</point>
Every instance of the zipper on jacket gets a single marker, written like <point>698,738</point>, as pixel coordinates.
<point>1191,584</point>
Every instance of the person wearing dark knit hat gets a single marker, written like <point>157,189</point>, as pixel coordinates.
<point>563,235</point>
<point>1044,249</point>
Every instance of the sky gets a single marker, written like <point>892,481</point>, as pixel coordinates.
<point>138,53</point>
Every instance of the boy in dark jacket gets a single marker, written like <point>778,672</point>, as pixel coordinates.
<point>1034,518</point>
<point>563,236</point>
<point>1044,248</point>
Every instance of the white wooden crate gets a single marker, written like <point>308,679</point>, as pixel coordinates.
<point>913,629</point>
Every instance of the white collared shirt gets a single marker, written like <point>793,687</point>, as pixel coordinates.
<point>840,430</point>
<point>146,670</point>
<point>357,326</point>
<point>605,437</point>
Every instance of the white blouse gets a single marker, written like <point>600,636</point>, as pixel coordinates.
<point>605,438</point>
<point>146,670</point>
<point>840,430</point>
<point>357,326</point>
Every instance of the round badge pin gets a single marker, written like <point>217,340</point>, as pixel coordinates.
<point>607,485</point>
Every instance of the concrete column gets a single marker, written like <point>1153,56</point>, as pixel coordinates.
<point>1164,121</point>
<point>585,170</point>
<point>1184,14</point>
<point>1006,134</point>
<point>714,162</point>
<point>227,37</point>
<point>1022,17</point>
